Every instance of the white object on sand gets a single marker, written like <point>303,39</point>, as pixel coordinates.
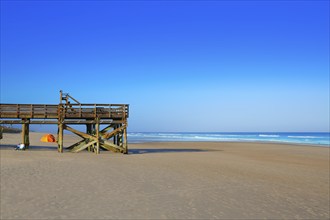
<point>20,147</point>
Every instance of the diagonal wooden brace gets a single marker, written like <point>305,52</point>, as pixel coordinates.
<point>83,147</point>
<point>110,146</point>
<point>79,133</point>
<point>76,144</point>
<point>114,132</point>
<point>106,129</point>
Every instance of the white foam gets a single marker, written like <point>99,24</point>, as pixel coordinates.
<point>302,137</point>
<point>194,136</point>
<point>269,135</point>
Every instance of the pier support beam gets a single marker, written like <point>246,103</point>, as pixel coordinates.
<point>25,133</point>
<point>60,138</point>
<point>125,141</point>
<point>97,135</point>
<point>89,130</point>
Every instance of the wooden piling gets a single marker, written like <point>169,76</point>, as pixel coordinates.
<point>89,130</point>
<point>60,138</point>
<point>115,136</point>
<point>97,134</point>
<point>25,133</point>
<point>125,142</point>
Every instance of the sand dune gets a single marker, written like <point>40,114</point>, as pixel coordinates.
<point>186,180</point>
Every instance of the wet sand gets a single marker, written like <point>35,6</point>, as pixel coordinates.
<point>186,180</point>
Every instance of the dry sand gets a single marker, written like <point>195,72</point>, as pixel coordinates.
<point>199,180</point>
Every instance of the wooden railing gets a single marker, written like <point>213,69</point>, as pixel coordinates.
<point>102,111</point>
<point>71,111</point>
<point>28,111</point>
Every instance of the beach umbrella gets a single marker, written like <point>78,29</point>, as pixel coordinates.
<point>48,138</point>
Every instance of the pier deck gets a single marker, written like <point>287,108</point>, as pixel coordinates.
<point>92,115</point>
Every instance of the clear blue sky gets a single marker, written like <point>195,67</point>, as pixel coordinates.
<point>181,65</point>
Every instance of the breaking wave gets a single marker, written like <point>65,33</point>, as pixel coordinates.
<point>321,139</point>
<point>269,135</point>
<point>303,137</point>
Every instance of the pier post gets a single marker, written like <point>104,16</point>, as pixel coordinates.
<point>125,141</point>
<point>25,133</point>
<point>60,138</point>
<point>89,130</point>
<point>97,134</point>
<point>114,137</point>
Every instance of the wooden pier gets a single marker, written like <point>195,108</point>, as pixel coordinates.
<point>71,112</point>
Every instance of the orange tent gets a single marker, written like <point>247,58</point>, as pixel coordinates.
<point>48,138</point>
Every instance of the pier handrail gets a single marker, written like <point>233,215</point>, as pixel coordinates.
<point>78,111</point>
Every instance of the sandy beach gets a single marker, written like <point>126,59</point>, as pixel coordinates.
<point>172,180</point>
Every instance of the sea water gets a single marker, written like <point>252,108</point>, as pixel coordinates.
<point>310,138</point>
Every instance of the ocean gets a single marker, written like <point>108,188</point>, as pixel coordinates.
<point>309,138</point>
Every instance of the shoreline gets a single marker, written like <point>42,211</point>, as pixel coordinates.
<point>237,142</point>
<point>72,136</point>
<point>304,138</point>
